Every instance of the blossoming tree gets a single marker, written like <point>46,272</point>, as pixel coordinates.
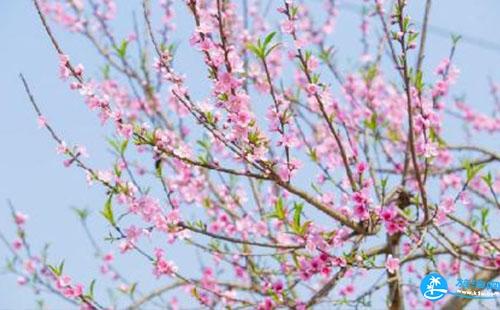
<point>300,184</point>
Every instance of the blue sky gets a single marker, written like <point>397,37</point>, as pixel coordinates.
<point>32,175</point>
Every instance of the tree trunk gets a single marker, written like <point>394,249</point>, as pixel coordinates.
<point>395,299</point>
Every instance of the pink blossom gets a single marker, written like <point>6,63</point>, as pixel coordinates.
<point>267,304</point>
<point>125,130</point>
<point>361,203</point>
<point>287,26</point>
<point>173,217</point>
<point>162,266</point>
<point>108,257</point>
<point>17,244</point>
<point>29,266</point>
<point>63,281</point>
<point>347,290</point>
<point>447,205</point>
<point>361,168</point>
<point>388,214</point>
<point>20,218</point>
<point>312,89</point>
<point>361,211</point>
<point>220,149</point>
<point>64,71</point>
<point>21,280</point>
<point>278,287</point>
<point>443,66</point>
<point>73,291</point>
<point>62,148</point>
<point>392,264</point>
<point>79,70</point>
<point>42,121</point>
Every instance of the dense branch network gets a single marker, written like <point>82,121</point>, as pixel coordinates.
<point>291,177</point>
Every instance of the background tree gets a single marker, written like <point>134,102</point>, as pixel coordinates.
<point>293,178</point>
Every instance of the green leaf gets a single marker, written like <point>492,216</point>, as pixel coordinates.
<point>57,270</point>
<point>114,144</point>
<point>473,222</point>
<point>268,39</point>
<point>371,73</point>
<point>105,71</point>
<point>325,54</point>
<point>315,79</point>
<point>434,137</point>
<point>271,49</point>
<point>133,288</point>
<point>207,203</point>
<point>419,81</point>
<point>91,289</point>
<point>117,170</point>
<point>205,144</point>
<point>383,183</point>
<point>455,38</point>
<point>82,213</point>
<point>254,49</point>
<point>313,155</point>
<point>158,169</point>
<point>296,218</point>
<point>107,212</point>
<point>40,303</point>
<point>484,217</point>
<point>406,23</point>
<point>472,170</point>
<point>488,179</point>
<point>54,270</point>
<point>430,250</point>
<point>253,137</point>
<point>307,55</point>
<point>372,122</point>
<point>261,49</point>
<point>412,37</point>
<point>9,264</point>
<point>61,267</point>
<point>280,209</point>
<point>203,158</point>
<point>122,49</point>
<point>223,97</point>
<point>210,118</point>
<point>123,147</point>
<point>304,227</point>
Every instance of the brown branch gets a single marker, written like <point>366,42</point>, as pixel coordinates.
<point>328,120</point>
<point>327,287</point>
<point>235,240</point>
<point>74,157</point>
<point>158,292</point>
<point>423,35</point>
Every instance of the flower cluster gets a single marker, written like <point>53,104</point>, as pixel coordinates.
<point>290,178</point>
